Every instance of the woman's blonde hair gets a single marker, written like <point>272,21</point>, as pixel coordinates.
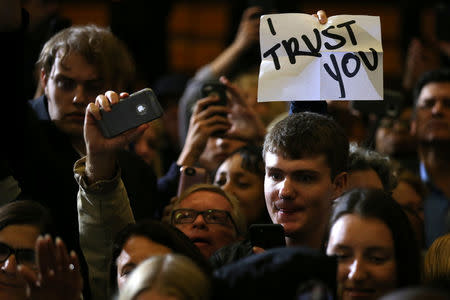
<point>437,260</point>
<point>170,275</point>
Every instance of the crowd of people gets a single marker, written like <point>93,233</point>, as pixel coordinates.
<point>363,199</point>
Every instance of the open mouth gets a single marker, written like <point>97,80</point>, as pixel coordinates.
<point>200,241</point>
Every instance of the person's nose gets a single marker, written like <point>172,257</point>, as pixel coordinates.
<point>437,108</point>
<point>286,190</point>
<point>199,222</point>
<point>9,266</point>
<point>357,271</point>
<point>81,97</point>
<point>227,187</point>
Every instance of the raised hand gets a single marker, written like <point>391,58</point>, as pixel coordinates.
<point>245,123</point>
<point>58,273</point>
<point>206,119</point>
<point>101,151</point>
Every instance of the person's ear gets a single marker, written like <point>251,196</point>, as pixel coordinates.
<point>340,184</point>
<point>43,79</point>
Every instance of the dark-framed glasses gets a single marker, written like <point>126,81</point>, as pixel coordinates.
<point>23,256</point>
<point>211,216</point>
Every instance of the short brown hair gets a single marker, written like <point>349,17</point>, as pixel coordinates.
<point>309,134</point>
<point>99,47</point>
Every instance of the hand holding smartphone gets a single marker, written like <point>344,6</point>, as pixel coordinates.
<point>139,108</point>
<point>216,89</point>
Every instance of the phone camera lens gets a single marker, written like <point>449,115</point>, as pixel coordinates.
<point>190,171</point>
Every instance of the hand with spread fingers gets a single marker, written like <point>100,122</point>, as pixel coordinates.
<point>245,123</point>
<point>57,275</point>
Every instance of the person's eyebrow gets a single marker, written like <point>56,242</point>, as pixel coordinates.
<point>130,264</point>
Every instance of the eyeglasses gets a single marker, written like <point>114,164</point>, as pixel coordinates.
<point>211,216</point>
<point>23,256</point>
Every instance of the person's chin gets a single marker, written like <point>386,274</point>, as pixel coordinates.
<point>73,129</point>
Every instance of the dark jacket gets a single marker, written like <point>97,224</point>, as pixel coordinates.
<point>279,273</point>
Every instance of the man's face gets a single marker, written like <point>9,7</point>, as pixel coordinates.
<point>206,236</point>
<point>217,150</point>
<point>432,122</point>
<point>70,86</point>
<point>136,249</point>
<point>12,286</point>
<point>299,193</point>
<point>393,135</point>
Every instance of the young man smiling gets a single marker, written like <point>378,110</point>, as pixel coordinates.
<point>305,158</point>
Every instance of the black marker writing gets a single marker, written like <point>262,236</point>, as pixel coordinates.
<point>272,30</point>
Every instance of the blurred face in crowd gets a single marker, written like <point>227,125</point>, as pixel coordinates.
<point>299,194</point>
<point>407,197</point>
<point>208,232</point>
<point>20,238</point>
<point>432,122</point>
<point>147,145</point>
<point>364,179</point>
<point>135,250</point>
<point>248,187</point>
<point>366,257</point>
<point>393,134</point>
<point>70,86</point>
<point>217,150</point>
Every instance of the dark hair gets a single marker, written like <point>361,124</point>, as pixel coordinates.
<point>309,134</point>
<point>99,47</point>
<point>160,233</point>
<point>363,159</point>
<point>26,212</point>
<point>434,76</point>
<point>252,159</point>
<point>375,203</point>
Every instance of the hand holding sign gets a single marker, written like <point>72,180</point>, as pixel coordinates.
<point>306,60</point>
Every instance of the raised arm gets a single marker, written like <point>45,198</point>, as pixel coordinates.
<point>103,204</point>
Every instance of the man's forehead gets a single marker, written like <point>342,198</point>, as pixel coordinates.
<point>206,200</point>
<point>73,64</point>
<point>435,89</point>
<point>277,160</point>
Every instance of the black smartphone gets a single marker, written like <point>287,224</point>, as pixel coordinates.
<point>139,108</point>
<point>190,176</point>
<point>216,88</point>
<point>267,236</point>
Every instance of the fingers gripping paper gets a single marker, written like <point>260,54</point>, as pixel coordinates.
<point>305,60</point>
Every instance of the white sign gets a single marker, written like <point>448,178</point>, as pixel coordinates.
<point>305,60</point>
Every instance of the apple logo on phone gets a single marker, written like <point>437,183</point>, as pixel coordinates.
<point>141,109</point>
